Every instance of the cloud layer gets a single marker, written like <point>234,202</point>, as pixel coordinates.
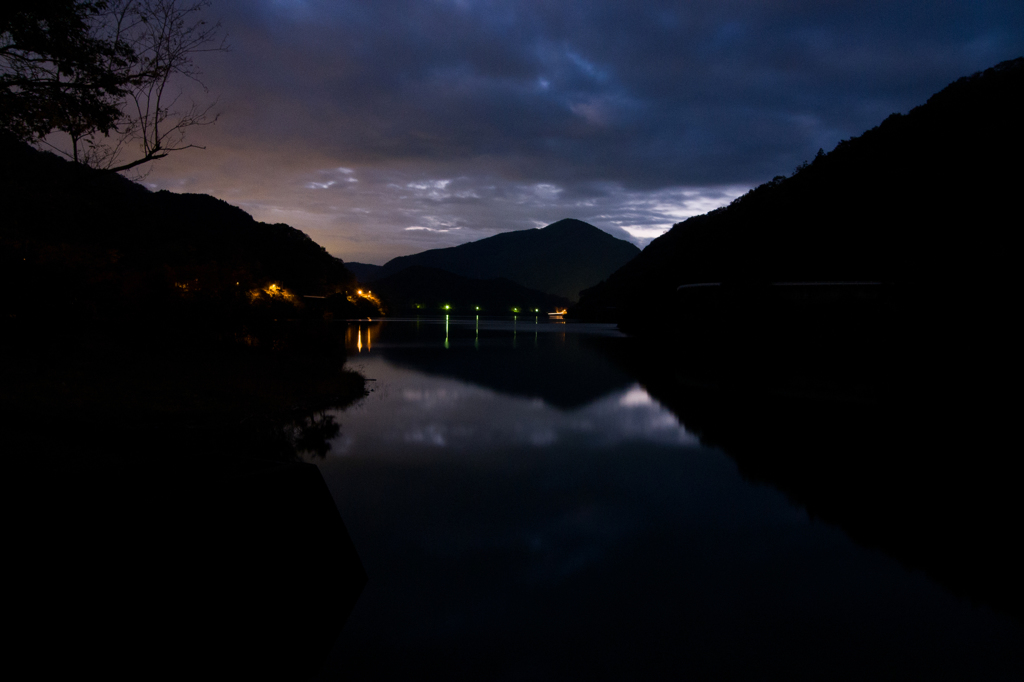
<point>356,121</point>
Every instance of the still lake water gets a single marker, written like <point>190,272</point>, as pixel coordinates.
<point>526,510</point>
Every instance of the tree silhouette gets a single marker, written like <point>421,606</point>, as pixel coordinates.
<point>55,73</point>
<point>164,36</point>
<point>103,82</point>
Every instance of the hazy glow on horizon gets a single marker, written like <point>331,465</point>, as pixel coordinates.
<point>385,129</point>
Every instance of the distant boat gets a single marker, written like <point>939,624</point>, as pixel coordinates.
<point>557,315</point>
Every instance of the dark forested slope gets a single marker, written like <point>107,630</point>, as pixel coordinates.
<point>128,314</point>
<point>924,200</point>
<point>562,258</point>
<point>87,243</point>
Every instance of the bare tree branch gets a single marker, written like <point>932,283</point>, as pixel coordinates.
<point>156,44</point>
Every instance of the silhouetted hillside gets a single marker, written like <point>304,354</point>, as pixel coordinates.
<point>418,289</point>
<point>90,244</point>
<point>879,404</point>
<point>924,200</point>
<point>562,259</point>
<point>158,323</point>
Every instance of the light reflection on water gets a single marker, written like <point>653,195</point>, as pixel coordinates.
<point>527,510</point>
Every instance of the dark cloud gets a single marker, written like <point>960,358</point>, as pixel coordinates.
<point>467,118</point>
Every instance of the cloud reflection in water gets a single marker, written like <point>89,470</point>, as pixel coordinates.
<point>409,412</point>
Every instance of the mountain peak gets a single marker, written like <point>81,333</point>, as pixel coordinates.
<point>570,224</point>
<point>561,259</point>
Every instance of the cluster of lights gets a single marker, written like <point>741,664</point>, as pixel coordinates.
<point>272,291</point>
<point>447,307</point>
<point>368,295</point>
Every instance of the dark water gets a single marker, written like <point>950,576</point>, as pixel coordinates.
<point>526,510</point>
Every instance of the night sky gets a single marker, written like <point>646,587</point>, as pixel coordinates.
<point>382,128</point>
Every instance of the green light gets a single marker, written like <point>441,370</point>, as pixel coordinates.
<point>447,307</point>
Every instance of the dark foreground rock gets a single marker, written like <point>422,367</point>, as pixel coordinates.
<point>224,569</point>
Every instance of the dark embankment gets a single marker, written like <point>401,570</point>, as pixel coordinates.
<point>561,259</point>
<point>241,570</point>
<point>422,290</point>
<point>170,322</point>
<point>159,353</point>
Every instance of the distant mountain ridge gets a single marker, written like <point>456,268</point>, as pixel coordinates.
<point>421,290</point>
<point>364,272</point>
<point>561,259</point>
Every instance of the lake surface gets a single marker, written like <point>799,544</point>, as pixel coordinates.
<point>526,510</point>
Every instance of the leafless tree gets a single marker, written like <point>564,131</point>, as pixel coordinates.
<point>163,37</point>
